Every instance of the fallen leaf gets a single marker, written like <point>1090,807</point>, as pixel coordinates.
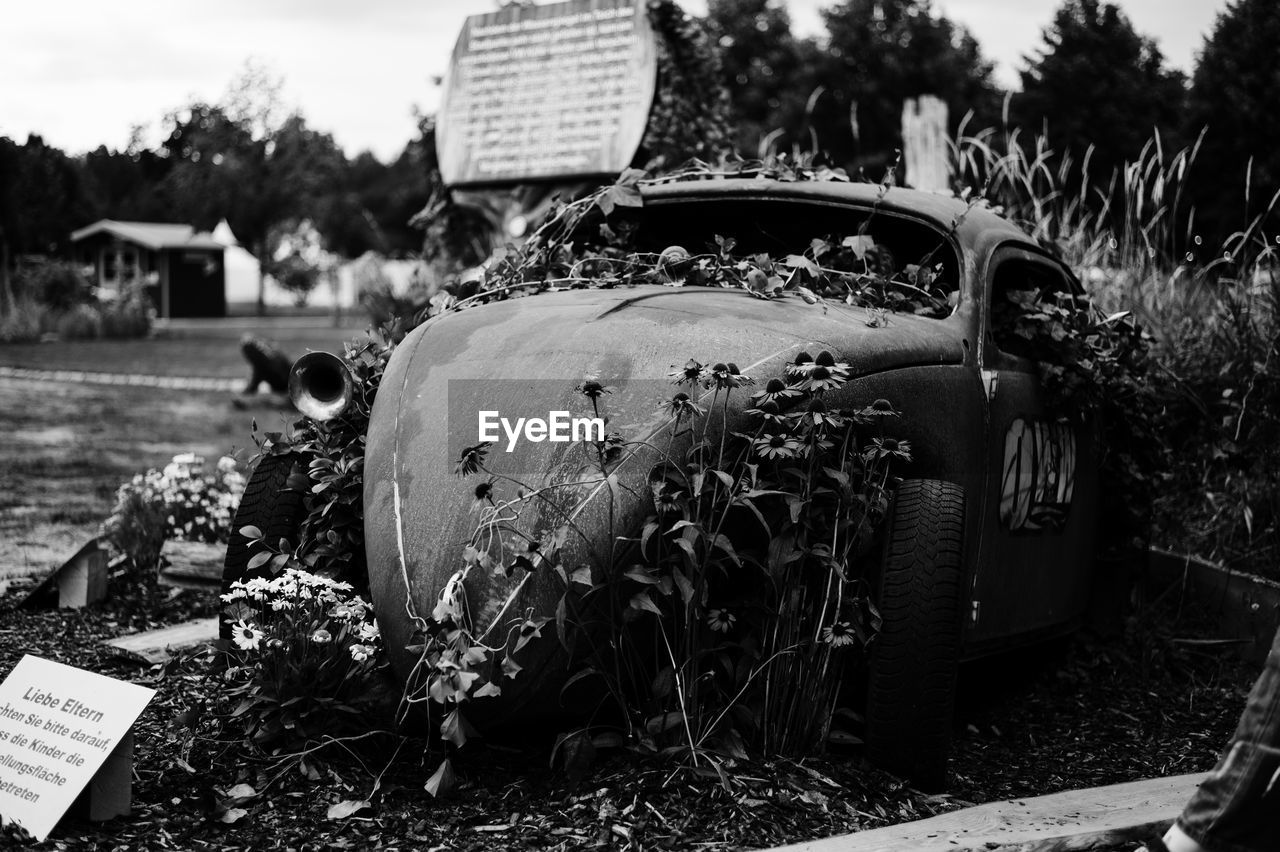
<point>347,808</point>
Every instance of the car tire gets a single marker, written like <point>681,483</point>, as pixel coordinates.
<point>269,504</point>
<point>914,660</point>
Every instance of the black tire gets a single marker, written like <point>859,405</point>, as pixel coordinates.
<point>913,662</point>
<point>270,505</point>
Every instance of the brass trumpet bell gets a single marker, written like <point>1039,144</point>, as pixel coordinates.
<point>320,385</point>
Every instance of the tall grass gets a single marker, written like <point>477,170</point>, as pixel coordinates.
<point>1134,240</point>
<point>1131,235</point>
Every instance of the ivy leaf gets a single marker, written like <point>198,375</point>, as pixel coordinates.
<point>442,781</point>
<point>860,243</point>
<point>489,690</point>
<point>619,195</point>
<point>799,261</point>
<point>453,728</point>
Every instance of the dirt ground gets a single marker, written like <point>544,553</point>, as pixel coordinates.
<point>68,447</point>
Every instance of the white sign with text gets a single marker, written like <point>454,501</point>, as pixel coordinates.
<point>58,724</point>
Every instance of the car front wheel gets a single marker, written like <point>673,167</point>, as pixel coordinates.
<point>913,661</point>
<point>269,504</point>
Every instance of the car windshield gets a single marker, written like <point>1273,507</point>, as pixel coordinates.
<point>855,255</point>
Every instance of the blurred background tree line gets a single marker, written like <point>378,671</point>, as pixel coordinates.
<point>1092,83</point>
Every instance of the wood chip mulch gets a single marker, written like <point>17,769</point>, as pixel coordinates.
<point>1093,711</point>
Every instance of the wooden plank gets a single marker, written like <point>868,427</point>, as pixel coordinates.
<point>192,564</point>
<point>1247,607</point>
<point>1041,824</point>
<point>154,645</point>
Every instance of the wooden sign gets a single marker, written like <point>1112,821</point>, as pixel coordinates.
<point>58,726</point>
<point>555,91</point>
<point>925,143</point>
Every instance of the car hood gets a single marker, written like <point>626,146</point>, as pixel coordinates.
<point>526,355</point>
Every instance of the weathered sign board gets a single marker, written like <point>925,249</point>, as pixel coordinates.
<point>58,726</point>
<point>542,92</point>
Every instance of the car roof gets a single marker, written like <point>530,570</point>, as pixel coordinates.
<point>976,226</point>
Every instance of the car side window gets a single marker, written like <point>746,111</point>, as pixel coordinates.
<point>1021,291</point>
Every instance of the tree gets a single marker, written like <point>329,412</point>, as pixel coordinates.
<point>882,52</point>
<point>225,167</point>
<point>371,207</point>
<point>1233,97</point>
<point>299,260</point>
<point>41,196</point>
<point>42,201</point>
<point>1096,81</point>
<point>762,66</point>
<point>127,184</point>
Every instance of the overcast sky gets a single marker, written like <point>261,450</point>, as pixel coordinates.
<point>82,73</point>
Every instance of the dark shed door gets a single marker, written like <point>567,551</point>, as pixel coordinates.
<point>197,284</point>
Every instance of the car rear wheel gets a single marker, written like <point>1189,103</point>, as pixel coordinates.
<point>269,504</point>
<point>913,662</point>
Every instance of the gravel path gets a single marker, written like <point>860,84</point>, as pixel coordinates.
<point>186,383</point>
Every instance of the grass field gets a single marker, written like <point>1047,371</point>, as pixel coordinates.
<point>194,348</point>
<point>67,447</point>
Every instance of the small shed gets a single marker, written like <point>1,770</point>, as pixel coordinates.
<point>183,269</point>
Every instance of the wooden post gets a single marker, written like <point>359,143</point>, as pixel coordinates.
<point>924,143</point>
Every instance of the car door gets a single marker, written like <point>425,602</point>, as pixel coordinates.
<point>1036,545</point>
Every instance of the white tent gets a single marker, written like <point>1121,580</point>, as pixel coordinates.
<point>242,269</point>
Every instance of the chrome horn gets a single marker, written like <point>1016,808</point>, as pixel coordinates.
<point>320,385</point>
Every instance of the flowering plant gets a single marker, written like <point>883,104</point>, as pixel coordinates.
<point>182,501</point>
<point>304,651</point>
<point>725,623</point>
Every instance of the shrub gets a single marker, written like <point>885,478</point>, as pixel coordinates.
<point>22,324</point>
<point>59,285</point>
<point>304,656</point>
<point>181,502</point>
<point>130,314</point>
<point>79,322</point>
